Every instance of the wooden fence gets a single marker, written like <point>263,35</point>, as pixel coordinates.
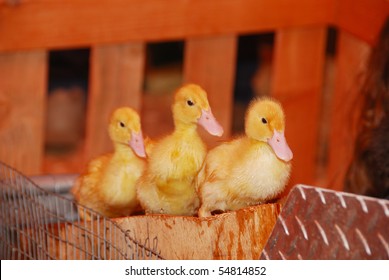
<point>117,31</point>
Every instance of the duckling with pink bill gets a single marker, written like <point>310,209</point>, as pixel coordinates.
<point>167,185</point>
<point>251,169</point>
<point>108,184</point>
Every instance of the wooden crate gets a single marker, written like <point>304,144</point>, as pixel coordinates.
<point>43,223</point>
<point>236,235</point>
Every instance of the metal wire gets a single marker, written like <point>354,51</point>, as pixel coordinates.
<point>42,222</point>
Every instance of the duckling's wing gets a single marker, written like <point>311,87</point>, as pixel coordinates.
<point>98,164</point>
<point>220,159</point>
<point>88,181</point>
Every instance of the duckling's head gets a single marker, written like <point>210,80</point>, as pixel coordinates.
<point>124,128</point>
<point>265,121</point>
<point>191,107</point>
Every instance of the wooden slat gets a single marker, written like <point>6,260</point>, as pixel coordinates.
<point>297,83</point>
<point>157,119</point>
<point>22,109</point>
<point>116,78</point>
<point>61,24</point>
<point>362,18</point>
<point>72,23</point>
<point>352,55</point>
<point>211,62</point>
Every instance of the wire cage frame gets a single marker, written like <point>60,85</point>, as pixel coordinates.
<point>42,222</point>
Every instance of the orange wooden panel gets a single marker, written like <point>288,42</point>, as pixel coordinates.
<point>116,79</point>
<point>22,109</point>
<point>351,58</point>
<point>65,23</point>
<point>297,83</point>
<point>210,62</point>
<point>363,18</point>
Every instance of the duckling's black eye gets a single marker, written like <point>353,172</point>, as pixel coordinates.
<point>122,124</point>
<point>264,121</point>
<point>190,102</point>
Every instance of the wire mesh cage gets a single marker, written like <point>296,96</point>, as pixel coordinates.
<point>39,220</point>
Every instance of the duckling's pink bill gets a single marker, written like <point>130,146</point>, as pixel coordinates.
<point>137,144</point>
<point>210,124</point>
<point>280,146</point>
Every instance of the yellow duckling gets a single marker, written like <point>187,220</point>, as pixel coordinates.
<point>108,186</point>
<point>167,185</point>
<point>251,169</point>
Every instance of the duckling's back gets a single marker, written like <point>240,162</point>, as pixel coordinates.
<point>85,189</point>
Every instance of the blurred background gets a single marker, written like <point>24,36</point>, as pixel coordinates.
<point>163,74</point>
<point>65,67</point>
